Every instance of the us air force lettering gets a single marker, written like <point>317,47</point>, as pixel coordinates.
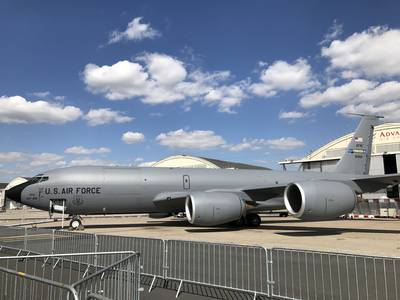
<point>209,196</point>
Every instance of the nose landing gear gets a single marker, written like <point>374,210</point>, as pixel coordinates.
<point>76,223</point>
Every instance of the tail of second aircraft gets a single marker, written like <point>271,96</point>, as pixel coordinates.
<point>357,157</point>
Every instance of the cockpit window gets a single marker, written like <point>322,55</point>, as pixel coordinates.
<point>39,178</point>
<point>44,178</point>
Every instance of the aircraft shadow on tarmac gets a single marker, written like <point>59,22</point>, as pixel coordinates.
<point>294,231</point>
<point>287,229</point>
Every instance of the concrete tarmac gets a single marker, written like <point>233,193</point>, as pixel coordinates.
<point>372,237</point>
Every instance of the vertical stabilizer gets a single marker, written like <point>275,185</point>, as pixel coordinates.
<point>357,156</point>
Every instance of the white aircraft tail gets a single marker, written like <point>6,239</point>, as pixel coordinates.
<point>357,157</point>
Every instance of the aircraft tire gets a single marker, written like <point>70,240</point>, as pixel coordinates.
<point>253,220</point>
<point>76,224</point>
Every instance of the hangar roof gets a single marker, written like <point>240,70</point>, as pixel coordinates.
<point>188,161</point>
<point>386,140</point>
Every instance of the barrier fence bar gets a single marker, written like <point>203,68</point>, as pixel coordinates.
<point>63,276</point>
<point>151,250</point>
<point>117,281</point>
<point>307,274</point>
<point>241,268</point>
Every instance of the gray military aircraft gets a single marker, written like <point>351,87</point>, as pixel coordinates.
<point>209,197</point>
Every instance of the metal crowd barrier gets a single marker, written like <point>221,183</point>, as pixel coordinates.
<point>151,250</point>
<point>307,274</point>
<point>281,273</point>
<point>27,275</point>
<point>242,268</point>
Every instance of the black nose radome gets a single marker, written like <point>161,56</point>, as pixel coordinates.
<point>15,192</point>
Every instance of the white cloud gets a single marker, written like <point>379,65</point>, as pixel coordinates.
<point>282,76</point>
<point>164,69</point>
<point>390,110</point>
<point>43,159</point>
<point>284,143</point>
<point>157,78</point>
<point>35,160</point>
<point>246,144</point>
<point>226,96</point>
<point>292,115</point>
<point>102,116</point>
<point>17,109</point>
<point>197,139</point>
<point>373,52</point>
<point>130,137</point>
<point>135,31</point>
<point>146,164</point>
<point>7,157</point>
<point>123,80</point>
<point>43,94</point>
<point>337,94</point>
<point>90,162</point>
<point>84,151</point>
<point>59,98</point>
<point>387,91</point>
<point>333,32</point>
<point>360,96</point>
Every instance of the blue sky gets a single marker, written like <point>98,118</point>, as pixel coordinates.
<point>130,82</point>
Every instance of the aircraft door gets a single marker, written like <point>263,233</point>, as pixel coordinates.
<point>186,182</point>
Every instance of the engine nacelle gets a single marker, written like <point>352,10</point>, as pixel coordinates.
<point>319,200</point>
<point>213,208</point>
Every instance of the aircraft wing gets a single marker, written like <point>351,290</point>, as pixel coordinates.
<point>175,201</point>
<point>264,193</point>
<point>373,183</point>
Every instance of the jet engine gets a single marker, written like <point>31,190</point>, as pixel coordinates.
<point>213,208</point>
<point>319,200</point>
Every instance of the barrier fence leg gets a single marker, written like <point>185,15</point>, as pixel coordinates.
<point>25,237</point>
<point>96,244</point>
<point>52,241</point>
<point>165,259</point>
<point>270,278</point>
<point>152,283</point>
<point>179,289</point>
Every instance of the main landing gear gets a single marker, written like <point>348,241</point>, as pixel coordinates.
<point>76,223</point>
<point>251,220</point>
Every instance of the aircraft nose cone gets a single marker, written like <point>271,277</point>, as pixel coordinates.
<point>15,192</point>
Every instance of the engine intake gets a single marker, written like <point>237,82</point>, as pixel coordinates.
<point>319,200</point>
<point>213,208</point>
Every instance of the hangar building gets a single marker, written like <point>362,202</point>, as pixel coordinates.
<point>385,159</point>
<point>5,205</point>
<point>187,161</point>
